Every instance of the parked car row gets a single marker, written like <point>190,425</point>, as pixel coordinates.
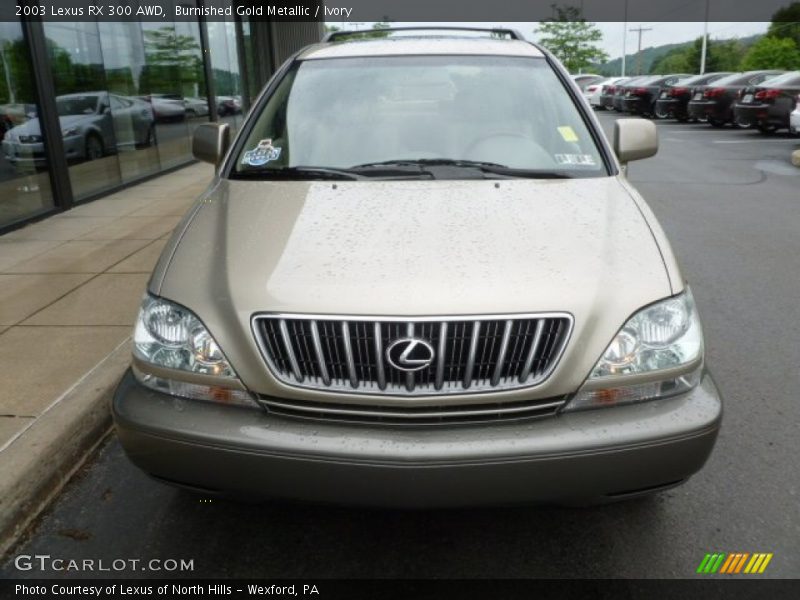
<point>767,100</point>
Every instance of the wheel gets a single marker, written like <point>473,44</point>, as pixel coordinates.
<point>767,129</point>
<point>683,119</point>
<point>660,113</point>
<point>94,147</point>
<point>715,122</point>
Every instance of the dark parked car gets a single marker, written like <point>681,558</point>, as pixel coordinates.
<point>769,105</point>
<point>640,98</point>
<point>619,91</point>
<point>93,124</point>
<point>673,101</point>
<point>714,102</point>
<point>607,92</point>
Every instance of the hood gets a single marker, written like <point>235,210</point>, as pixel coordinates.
<point>32,126</point>
<point>416,248</point>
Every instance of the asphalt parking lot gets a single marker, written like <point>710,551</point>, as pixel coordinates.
<point>729,201</point>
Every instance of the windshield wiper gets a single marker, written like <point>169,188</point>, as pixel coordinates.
<point>306,172</point>
<point>299,172</point>
<point>482,166</point>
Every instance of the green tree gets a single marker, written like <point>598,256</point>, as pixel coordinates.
<point>173,62</point>
<point>571,39</point>
<point>721,55</point>
<point>772,53</point>
<point>786,23</point>
<point>674,61</point>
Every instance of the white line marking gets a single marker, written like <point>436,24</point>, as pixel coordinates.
<point>758,141</point>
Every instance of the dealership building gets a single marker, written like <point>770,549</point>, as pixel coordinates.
<point>91,106</point>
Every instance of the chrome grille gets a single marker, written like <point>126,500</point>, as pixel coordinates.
<point>471,354</point>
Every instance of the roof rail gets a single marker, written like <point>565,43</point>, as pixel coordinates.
<point>334,36</point>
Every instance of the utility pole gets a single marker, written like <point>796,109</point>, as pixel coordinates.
<point>640,30</point>
<point>624,37</point>
<point>705,40</point>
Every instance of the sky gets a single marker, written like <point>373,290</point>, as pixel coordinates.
<point>661,32</point>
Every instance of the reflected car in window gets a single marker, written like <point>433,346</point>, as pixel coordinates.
<point>166,107</point>
<point>93,124</point>
<point>196,107</point>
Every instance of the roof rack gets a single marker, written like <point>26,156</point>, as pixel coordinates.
<point>334,36</point>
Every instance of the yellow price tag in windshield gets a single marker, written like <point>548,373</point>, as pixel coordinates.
<point>568,133</point>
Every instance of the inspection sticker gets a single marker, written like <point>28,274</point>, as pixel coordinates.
<point>581,160</point>
<point>568,133</point>
<point>262,154</point>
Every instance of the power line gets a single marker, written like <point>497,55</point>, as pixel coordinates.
<point>640,31</point>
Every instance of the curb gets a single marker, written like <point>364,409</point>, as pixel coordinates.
<point>37,465</point>
<point>796,158</point>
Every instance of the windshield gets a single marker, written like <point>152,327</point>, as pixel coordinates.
<point>345,113</point>
<point>76,105</point>
<point>790,78</point>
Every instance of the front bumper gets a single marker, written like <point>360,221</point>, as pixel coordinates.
<point>581,457</point>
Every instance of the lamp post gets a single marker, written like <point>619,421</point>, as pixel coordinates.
<point>705,41</point>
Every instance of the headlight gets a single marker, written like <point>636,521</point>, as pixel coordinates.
<point>664,338</point>
<point>69,131</point>
<point>170,337</point>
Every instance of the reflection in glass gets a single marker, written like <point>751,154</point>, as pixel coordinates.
<point>24,182</point>
<point>88,127</point>
<point>225,65</point>
<point>125,67</point>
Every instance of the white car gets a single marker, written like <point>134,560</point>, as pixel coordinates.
<point>794,118</point>
<point>593,91</point>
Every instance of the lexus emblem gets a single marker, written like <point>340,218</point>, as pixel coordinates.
<point>410,354</point>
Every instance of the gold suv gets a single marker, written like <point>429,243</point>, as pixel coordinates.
<point>420,278</point>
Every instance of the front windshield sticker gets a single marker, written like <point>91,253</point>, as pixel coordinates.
<point>568,133</point>
<point>580,160</point>
<point>262,154</point>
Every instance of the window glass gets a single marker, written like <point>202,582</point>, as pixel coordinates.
<point>24,180</point>
<point>88,129</point>
<point>134,120</point>
<point>511,111</point>
<point>225,67</point>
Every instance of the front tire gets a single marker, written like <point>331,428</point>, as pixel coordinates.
<point>768,129</point>
<point>716,122</point>
<point>94,147</point>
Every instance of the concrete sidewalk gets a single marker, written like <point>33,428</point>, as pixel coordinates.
<point>70,287</point>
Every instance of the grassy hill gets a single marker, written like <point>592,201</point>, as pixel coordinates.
<point>649,56</point>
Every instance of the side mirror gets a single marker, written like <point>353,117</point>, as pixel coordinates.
<point>210,142</point>
<point>635,139</point>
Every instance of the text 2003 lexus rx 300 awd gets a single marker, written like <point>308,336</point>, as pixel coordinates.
<point>420,278</point>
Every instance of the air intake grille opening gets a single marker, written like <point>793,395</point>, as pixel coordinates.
<point>442,355</point>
